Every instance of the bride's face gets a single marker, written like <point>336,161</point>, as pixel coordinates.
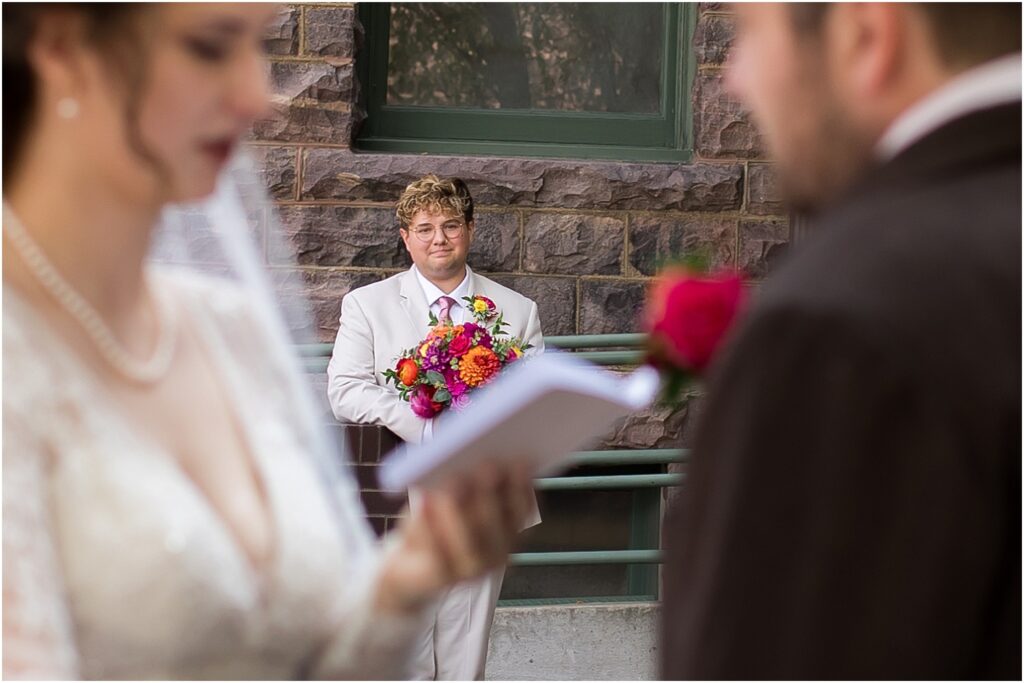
<point>168,122</point>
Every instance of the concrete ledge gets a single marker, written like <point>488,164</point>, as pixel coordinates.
<point>575,642</point>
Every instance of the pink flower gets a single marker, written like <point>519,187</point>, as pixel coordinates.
<point>460,344</point>
<point>461,401</point>
<point>457,387</point>
<point>422,403</point>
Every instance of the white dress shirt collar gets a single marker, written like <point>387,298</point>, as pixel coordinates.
<point>985,86</point>
<point>432,292</point>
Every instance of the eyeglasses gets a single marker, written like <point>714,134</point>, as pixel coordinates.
<point>452,230</point>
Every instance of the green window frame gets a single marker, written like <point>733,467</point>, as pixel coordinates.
<point>664,136</point>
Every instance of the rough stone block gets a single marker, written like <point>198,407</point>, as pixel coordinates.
<point>318,291</point>
<point>555,297</point>
<point>495,245</point>
<point>656,427</point>
<point>198,242</point>
<point>276,168</point>
<point>333,32</point>
<point>713,38</point>
<point>763,196</point>
<point>653,240</point>
<point>762,246</point>
<point>282,35</point>
<point>558,183</point>
<point>312,82</point>
<point>312,102</point>
<point>342,236</point>
<point>722,127</point>
<point>713,6</point>
<point>318,125</point>
<point>573,244</point>
<point>610,306</point>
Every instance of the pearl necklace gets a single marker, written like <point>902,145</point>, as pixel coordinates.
<point>139,371</point>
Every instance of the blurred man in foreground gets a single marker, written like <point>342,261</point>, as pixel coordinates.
<point>853,505</point>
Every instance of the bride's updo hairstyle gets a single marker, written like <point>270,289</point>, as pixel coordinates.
<point>110,27</point>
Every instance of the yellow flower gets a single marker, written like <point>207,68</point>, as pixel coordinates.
<point>480,306</point>
<point>423,349</point>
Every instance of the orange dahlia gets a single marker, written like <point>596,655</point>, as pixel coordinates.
<point>478,365</point>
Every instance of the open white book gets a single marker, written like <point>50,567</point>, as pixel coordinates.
<point>538,411</point>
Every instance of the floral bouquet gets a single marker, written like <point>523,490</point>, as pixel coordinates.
<point>443,369</point>
<point>689,312</point>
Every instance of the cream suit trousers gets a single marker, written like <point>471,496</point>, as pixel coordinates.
<point>454,645</point>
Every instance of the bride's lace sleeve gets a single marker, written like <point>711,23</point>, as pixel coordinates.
<point>37,635</point>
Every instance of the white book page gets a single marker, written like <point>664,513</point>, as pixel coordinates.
<point>537,412</point>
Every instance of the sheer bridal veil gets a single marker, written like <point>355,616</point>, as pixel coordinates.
<point>234,236</point>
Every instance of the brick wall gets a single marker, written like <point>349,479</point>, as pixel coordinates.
<point>581,238</point>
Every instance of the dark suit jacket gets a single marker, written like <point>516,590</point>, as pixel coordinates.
<point>853,506</point>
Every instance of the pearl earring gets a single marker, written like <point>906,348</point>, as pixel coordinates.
<point>67,108</point>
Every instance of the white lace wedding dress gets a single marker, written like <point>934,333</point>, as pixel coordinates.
<point>115,565</point>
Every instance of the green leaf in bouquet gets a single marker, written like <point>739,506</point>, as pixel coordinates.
<point>442,396</point>
<point>435,377</point>
<point>432,320</point>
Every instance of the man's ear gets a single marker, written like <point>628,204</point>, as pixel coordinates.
<point>470,225</point>
<point>868,42</point>
<point>404,234</point>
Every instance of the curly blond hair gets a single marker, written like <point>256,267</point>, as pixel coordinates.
<point>446,196</point>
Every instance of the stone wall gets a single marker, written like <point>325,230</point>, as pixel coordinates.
<point>580,237</point>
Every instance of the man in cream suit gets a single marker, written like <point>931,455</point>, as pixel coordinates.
<point>381,320</point>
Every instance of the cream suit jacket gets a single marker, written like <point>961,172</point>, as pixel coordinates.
<point>381,320</point>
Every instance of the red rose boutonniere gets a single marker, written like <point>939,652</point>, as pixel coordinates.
<point>689,313</point>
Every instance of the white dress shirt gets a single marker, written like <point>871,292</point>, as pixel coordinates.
<point>983,87</point>
<point>432,293</point>
<point>458,312</point>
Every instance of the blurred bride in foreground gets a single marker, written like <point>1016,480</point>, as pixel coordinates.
<point>169,505</point>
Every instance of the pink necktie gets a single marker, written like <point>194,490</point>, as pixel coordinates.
<point>444,315</point>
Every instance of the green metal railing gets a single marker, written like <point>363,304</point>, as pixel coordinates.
<point>605,350</point>
<point>587,557</point>
<point>601,349</point>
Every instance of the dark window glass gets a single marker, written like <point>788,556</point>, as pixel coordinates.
<point>578,57</point>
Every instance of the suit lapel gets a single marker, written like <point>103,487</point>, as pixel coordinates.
<point>415,305</point>
<point>474,284</point>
